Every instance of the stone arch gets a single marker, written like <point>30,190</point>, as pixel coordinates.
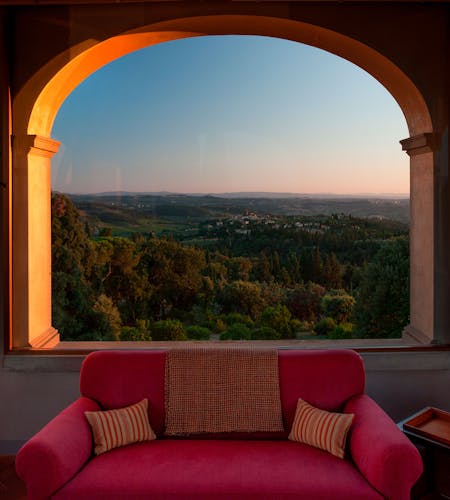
<point>37,103</point>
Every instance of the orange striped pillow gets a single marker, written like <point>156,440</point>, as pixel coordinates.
<point>320,428</point>
<point>114,428</point>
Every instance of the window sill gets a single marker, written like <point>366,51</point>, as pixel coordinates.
<point>378,354</point>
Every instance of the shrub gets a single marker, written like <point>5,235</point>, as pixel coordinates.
<point>134,334</point>
<point>278,318</point>
<point>338,305</point>
<point>265,333</point>
<point>195,332</point>
<point>342,331</point>
<point>234,317</point>
<point>218,325</point>
<point>237,331</point>
<point>168,329</point>
<point>325,326</point>
<point>297,326</point>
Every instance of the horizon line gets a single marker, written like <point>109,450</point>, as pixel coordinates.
<point>247,193</point>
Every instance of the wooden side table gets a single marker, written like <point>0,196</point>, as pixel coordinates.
<point>429,430</point>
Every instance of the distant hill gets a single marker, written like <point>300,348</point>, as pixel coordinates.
<point>254,194</point>
<point>126,212</point>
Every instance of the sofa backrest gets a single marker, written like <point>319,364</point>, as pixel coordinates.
<point>324,378</point>
<point>120,378</point>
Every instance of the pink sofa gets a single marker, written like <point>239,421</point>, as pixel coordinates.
<point>58,462</point>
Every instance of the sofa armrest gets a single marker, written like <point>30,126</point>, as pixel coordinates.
<point>56,453</point>
<point>383,454</point>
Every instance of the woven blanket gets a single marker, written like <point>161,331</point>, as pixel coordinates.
<point>213,390</point>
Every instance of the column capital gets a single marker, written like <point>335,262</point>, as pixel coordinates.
<point>35,144</point>
<point>419,144</point>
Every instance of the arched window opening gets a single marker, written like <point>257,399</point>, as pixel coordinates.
<point>234,188</point>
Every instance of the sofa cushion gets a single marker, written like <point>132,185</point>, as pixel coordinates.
<point>114,428</point>
<point>208,469</point>
<point>320,428</point>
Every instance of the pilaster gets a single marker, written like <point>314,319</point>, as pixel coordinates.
<point>32,305</point>
<point>429,277</point>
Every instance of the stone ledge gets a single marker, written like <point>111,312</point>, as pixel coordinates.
<point>393,355</point>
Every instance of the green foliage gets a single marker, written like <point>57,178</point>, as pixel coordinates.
<point>174,271</point>
<point>105,232</point>
<point>382,306</point>
<point>232,318</point>
<point>105,306</point>
<point>331,272</point>
<point>243,297</point>
<point>342,331</point>
<point>278,318</point>
<point>338,304</point>
<point>297,326</point>
<point>305,301</point>
<point>265,333</point>
<point>169,329</point>
<point>133,333</point>
<point>325,326</point>
<point>73,259</point>
<point>198,332</point>
<point>236,331</point>
<point>280,275</point>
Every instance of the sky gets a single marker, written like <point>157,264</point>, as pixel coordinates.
<point>222,114</point>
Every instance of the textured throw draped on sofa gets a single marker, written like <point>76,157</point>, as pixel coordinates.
<point>212,390</point>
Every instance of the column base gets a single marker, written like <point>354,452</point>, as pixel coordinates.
<point>46,340</point>
<point>411,333</point>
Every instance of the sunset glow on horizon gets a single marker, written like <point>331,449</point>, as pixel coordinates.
<point>231,114</point>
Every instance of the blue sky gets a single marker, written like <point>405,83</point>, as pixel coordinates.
<point>230,113</point>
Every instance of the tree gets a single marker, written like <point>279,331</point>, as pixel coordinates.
<point>239,268</point>
<point>382,304</point>
<point>337,304</point>
<point>331,272</point>
<point>175,272</point>
<point>124,279</point>
<point>305,301</point>
<point>278,318</point>
<point>262,268</point>
<point>73,259</point>
<point>242,296</point>
<point>105,306</point>
<point>317,266</point>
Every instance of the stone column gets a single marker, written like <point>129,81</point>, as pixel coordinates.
<point>31,294</point>
<point>429,277</point>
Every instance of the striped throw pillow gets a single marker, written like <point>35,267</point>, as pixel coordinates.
<point>320,428</point>
<point>114,428</point>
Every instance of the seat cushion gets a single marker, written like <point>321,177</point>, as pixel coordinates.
<point>213,469</point>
